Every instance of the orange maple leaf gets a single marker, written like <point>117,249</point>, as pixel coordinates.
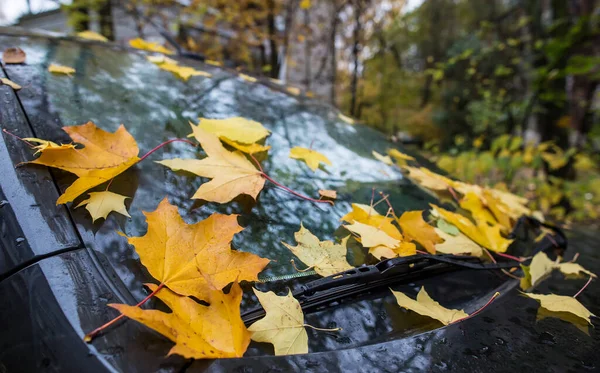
<point>199,332</point>
<point>104,156</point>
<point>194,259</point>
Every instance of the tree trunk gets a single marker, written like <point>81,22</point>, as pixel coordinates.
<point>355,50</point>
<point>272,31</point>
<point>307,50</point>
<point>106,20</point>
<point>333,59</point>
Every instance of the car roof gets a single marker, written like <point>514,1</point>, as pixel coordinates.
<point>114,85</point>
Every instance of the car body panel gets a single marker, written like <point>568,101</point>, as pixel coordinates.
<point>114,85</point>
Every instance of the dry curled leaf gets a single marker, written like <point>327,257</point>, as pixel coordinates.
<point>326,257</point>
<point>13,55</point>
<point>415,228</point>
<point>104,156</point>
<point>199,331</point>
<point>60,69</point>
<point>325,193</point>
<point>311,157</point>
<point>10,83</point>
<point>193,259</point>
<point>100,204</point>
<point>45,144</point>
<point>426,306</point>
<point>283,324</point>
<point>232,173</point>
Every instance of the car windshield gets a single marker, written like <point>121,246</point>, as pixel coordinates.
<point>113,86</point>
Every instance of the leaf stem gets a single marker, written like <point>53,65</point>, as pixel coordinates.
<point>20,138</point>
<point>584,286</point>
<point>515,258</point>
<point>163,144</point>
<point>496,294</point>
<point>496,262</point>
<point>298,269</point>
<point>263,174</point>
<point>323,329</point>
<point>91,335</point>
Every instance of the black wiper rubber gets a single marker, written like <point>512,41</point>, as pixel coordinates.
<point>361,280</point>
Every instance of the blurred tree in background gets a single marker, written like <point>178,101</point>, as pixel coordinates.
<point>499,92</point>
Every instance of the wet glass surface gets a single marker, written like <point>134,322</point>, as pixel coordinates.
<point>114,86</point>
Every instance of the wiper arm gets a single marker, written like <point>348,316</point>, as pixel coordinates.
<point>327,290</point>
<point>385,273</point>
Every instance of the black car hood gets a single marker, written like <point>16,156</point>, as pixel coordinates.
<point>60,270</point>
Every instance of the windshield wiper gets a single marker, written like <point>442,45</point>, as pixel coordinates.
<point>361,280</point>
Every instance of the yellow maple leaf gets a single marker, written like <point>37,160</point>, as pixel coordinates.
<point>472,203</point>
<point>426,306</point>
<point>372,236</point>
<point>100,204</point>
<point>305,4</point>
<point>193,259</point>
<point>60,69</point>
<point>326,257</point>
<point>367,215</point>
<point>403,249</point>
<point>325,193</point>
<point>160,59</point>
<point>247,78</point>
<point>293,90</point>
<point>482,233</point>
<point>91,35</point>
<point>311,157</point>
<point>10,83</point>
<point>148,46</point>
<point>232,173</point>
<point>183,72</point>
<point>399,156</point>
<point>415,228</point>
<point>283,324</point>
<point>236,129</point>
<point>214,63</point>
<point>199,332</point>
<point>246,148</point>
<point>104,156</point>
<point>346,118</point>
<point>459,244</point>
<point>428,179</point>
<point>561,303</point>
<point>540,268</point>
<point>382,158</point>
<point>573,270</point>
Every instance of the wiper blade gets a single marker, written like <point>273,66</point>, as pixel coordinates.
<point>385,273</point>
<point>361,280</point>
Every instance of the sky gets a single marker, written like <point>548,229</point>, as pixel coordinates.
<point>11,10</point>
